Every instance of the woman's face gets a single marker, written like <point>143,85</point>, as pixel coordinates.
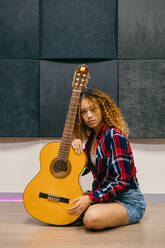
<point>91,115</point>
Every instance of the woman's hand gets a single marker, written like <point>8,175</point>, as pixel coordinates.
<point>77,146</point>
<point>83,202</point>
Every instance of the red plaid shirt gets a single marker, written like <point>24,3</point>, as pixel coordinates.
<point>114,171</point>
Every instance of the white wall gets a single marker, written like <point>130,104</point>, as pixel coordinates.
<point>19,163</point>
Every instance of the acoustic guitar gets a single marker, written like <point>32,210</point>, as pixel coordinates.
<point>49,194</point>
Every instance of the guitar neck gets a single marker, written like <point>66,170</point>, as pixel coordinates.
<point>69,126</point>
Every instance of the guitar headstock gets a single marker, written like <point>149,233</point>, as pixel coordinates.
<point>81,76</point>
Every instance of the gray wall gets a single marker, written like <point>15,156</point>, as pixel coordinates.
<point>42,42</point>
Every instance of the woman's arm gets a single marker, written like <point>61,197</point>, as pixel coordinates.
<point>119,171</point>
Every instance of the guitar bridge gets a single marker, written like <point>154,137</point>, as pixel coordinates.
<point>53,197</point>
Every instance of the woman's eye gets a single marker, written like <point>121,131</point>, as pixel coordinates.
<point>92,110</point>
<point>82,112</point>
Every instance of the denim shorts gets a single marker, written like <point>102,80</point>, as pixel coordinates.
<point>135,204</point>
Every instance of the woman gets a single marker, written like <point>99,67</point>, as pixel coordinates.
<point>115,186</point>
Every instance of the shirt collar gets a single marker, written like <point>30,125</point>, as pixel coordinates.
<point>102,132</point>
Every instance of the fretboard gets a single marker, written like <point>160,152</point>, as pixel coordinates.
<point>69,126</point>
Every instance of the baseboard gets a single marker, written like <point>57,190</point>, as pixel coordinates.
<point>18,197</point>
<point>11,197</point>
<point>149,197</point>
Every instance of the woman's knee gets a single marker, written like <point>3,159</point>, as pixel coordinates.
<point>91,219</point>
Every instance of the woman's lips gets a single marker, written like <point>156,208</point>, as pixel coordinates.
<point>91,122</point>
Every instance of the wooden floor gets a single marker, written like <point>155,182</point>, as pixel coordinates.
<point>19,230</point>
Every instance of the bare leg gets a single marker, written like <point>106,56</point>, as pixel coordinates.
<point>104,215</point>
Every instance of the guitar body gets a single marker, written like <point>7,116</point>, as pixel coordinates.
<point>49,183</point>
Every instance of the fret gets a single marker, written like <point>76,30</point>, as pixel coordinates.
<point>74,97</point>
<point>67,131</point>
<point>69,124</point>
<point>63,154</point>
<point>66,138</point>
<point>70,121</point>
<point>65,146</point>
<point>73,103</point>
<point>72,112</point>
<point>61,158</point>
<point>64,150</point>
<point>71,118</point>
<point>69,127</point>
<point>77,90</point>
<point>66,134</point>
<point>65,157</point>
<point>73,106</point>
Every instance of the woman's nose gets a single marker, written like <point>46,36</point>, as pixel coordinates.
<point>89,114</point>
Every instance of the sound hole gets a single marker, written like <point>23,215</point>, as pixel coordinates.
<point>60,168</point>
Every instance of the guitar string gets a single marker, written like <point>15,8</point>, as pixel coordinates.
<point>65,150</point>
<point>71,121</point>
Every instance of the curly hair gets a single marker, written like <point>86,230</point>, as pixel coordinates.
<point>111,114</point>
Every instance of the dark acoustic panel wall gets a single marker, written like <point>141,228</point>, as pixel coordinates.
<point>142,97</point>
<point>78,29</point>
<point>56,89</point>
<point>19,29</point>
<point>72,32</point>
<point>141,29</point>
<point>19,98</point>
